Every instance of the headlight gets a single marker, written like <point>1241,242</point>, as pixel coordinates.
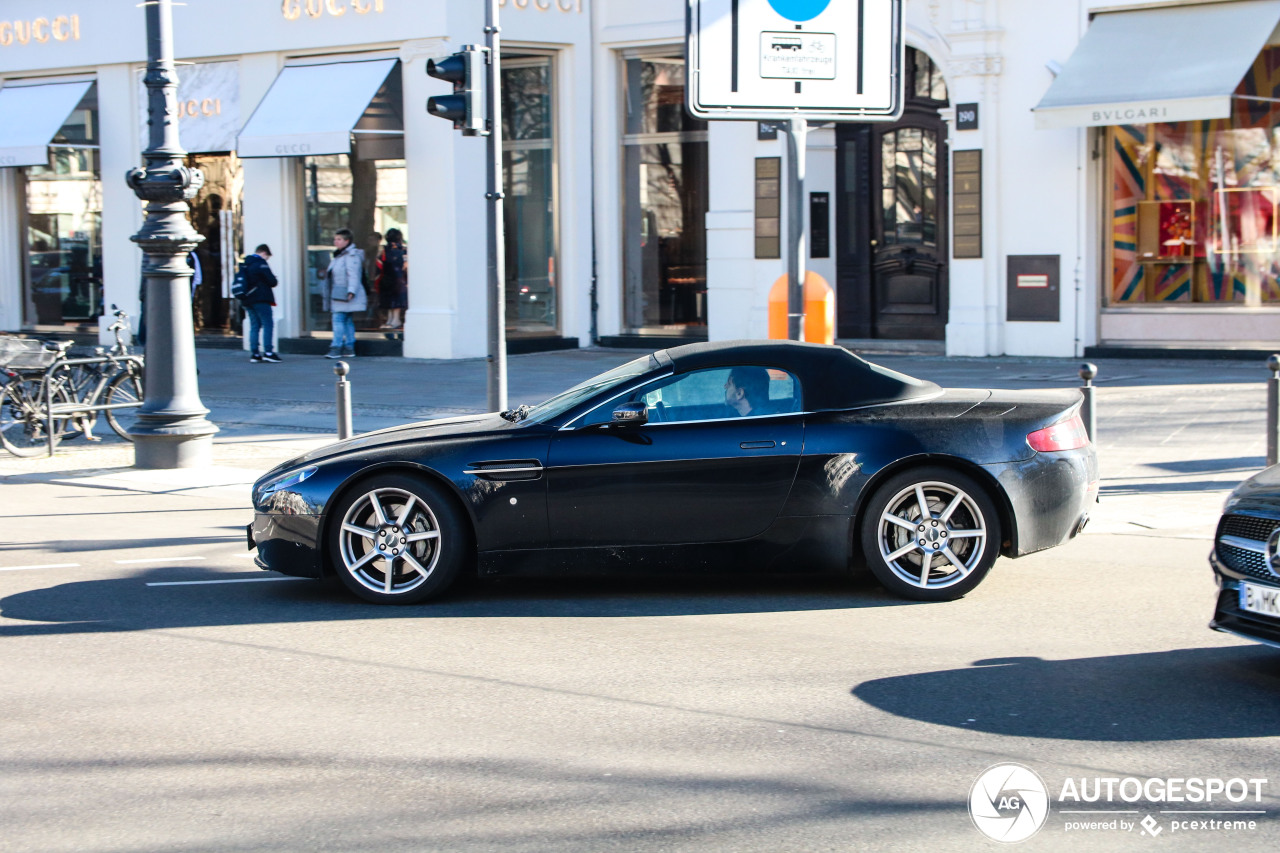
<point>286,481</point>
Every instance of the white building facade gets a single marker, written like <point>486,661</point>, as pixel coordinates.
<point>1000,215</point>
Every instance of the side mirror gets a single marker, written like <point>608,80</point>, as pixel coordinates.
<point>631,414</point>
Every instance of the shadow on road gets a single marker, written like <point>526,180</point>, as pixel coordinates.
<point>1235,465</point>
<point>1185,694</point>
<point>1166,486</point>
<point>128,604</point>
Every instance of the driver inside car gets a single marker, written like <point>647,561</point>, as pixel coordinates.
<point>746,391</point>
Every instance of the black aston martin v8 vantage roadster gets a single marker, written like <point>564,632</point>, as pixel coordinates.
<point>777,456</point>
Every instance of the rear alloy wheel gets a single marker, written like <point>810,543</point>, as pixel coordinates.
<point>931,534</point>
<point>397,539</point>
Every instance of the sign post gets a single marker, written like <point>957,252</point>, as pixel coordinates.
<point>795,61</point>
<point>797,136</point>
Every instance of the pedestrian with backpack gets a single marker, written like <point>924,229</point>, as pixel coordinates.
<point>344,294</point>
<point>252,286</point>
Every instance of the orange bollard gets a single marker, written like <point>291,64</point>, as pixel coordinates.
<point>819,309</point>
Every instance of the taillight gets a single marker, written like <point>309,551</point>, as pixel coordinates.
<point>1065,435</point>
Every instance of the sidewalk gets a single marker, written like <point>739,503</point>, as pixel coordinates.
<point>1174,436</point>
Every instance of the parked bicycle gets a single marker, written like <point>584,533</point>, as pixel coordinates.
<point>49,395</point>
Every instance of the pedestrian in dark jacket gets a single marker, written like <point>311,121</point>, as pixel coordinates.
<point>393,279</point>
<point>258,301</point>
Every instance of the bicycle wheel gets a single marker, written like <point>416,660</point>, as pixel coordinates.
<point>23,431</point>
<point>78,385</point>
<point>124,388</point>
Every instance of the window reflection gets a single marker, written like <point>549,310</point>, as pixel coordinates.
<point>529,183</point>
<point>665,201</point>
<point>909,178</point>
<point>63,232</point>
<point>368,196</point>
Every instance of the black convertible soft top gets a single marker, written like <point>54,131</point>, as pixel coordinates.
<point>830,377</point>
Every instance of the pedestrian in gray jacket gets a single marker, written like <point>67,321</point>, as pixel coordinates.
<point>344,293</point>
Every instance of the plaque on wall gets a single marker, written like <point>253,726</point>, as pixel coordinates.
<point>966,204</point>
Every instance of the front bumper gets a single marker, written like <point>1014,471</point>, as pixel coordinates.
<point>288,544</point>
<point>1230,618</point>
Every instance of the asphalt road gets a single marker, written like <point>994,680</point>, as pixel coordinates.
<point>160,694</point>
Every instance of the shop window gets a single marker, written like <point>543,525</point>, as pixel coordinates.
<point>1193,205</point>
<point>665,202</point>
<point>369,197</point>
<point>366,192</point>
<point>63,224</point>
<point>529,211</point>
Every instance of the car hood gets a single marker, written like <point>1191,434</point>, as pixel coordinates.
<point>464,426</point>
<point>1259,492</point>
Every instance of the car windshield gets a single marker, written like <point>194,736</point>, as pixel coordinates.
<point>566,400</point>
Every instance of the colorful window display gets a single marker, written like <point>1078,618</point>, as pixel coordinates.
<point>1194,204</point>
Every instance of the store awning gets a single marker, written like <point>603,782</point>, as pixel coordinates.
<point>31,115</point>
<point>1178,63</point>
<point>311,109</point>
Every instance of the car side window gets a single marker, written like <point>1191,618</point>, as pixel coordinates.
<point>714,394</point>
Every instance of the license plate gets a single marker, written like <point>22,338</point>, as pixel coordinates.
<point>1264,600</point>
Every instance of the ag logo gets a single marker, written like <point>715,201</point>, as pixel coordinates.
<point>1009,802</point>
<point>1273,557</point>
<point>799,10</point>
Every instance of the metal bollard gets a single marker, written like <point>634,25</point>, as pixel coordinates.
<point>344,400</point>
<point>1273,409</point>
<point>1088,411</point>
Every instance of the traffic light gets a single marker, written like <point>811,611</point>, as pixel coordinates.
<point>465,107</point>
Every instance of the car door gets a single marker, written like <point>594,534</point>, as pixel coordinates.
<point>696,472</point>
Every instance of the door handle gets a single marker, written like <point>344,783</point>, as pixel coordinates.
<point>755,445</point>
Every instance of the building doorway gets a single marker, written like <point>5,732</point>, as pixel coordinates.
<point>891,262</point>
<point>215,215</point>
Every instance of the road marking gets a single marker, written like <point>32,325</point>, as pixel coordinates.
<point>159,560</point>
<point>46,566</point>
<point>235,580</point>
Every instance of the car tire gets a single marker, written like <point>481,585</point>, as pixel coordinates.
<point>398,539</point>
<point>913,554</point>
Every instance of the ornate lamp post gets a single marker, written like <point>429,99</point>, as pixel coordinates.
<point>171,430</point>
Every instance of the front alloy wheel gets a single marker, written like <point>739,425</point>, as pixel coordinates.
<point>930,534</point>
<point>397,539</point>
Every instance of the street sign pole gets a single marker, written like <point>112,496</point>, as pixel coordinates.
<point>794,62</point>
<point>497,384</point>
<point>797,131</point>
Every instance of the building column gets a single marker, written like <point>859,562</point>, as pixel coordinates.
<point>976,309</point>
<point>11,261</point>
<point>120,104</point>
<point>734,300</point>
<point>271,211</point>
